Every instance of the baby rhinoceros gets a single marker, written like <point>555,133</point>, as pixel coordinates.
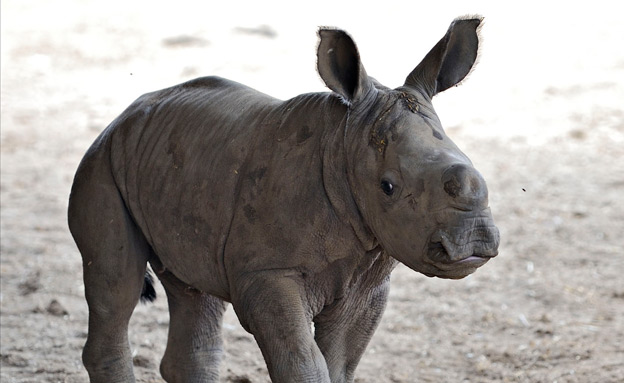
<point>295,212</point>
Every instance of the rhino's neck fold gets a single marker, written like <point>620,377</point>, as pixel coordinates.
<point>336,182</point>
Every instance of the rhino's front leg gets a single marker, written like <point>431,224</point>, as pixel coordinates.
<point>273,309</point>
<point>343,329</point>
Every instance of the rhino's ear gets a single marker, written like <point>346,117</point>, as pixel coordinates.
<point>339,65</point>
<point>450,60</point>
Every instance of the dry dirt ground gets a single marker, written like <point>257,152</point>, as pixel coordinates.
<point>542,118</point>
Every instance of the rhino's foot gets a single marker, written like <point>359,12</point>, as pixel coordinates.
<point>108,367</point>
<point>191,367</point>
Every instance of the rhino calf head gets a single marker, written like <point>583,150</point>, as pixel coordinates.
<point>420,195</point>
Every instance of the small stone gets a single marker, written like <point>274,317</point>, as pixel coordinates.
<point>30,285</point>
<point>14,360</point>
<point>56,309</point>
<point>142,361</point>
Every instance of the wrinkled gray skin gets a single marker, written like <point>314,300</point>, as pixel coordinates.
<point>294,211</point>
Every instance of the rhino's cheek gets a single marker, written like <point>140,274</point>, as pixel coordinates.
<point>407,246</point>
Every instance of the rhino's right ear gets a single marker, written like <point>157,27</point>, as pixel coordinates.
<point>450,60</point>
<point>339,65</point>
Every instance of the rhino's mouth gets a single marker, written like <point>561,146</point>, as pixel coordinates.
<point>456,253</point>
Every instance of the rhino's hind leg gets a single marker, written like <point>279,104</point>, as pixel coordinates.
<point>114,254</point>
<point>195,345</point>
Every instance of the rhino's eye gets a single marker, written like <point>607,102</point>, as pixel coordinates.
<point>387,187</point>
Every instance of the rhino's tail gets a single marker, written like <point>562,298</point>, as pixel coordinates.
<point>148,294</point>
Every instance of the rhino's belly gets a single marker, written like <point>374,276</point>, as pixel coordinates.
<point>183,204</point>
<point>187,234</point>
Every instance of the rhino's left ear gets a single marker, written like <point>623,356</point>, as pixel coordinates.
<point>450,60</point>
<point>339,65</point>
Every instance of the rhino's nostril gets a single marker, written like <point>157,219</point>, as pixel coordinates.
<point>452,187</point>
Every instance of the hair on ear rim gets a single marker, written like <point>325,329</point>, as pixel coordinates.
<point>479,42</point>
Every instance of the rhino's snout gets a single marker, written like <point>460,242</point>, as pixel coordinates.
<point>465,187</point>
<point>458,250</point>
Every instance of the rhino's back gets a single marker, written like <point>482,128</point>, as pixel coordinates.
<point>175,156</point>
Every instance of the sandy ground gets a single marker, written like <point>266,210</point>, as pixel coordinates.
<point>541,117</point>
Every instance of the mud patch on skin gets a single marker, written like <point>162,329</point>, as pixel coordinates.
<point>379,143</point>
<point>410,102</point>
<point>176,154</point>
<point>304,134</point>
<point>197,223</point>
<point>379,130</point>
<point>250,213</point>
<point>417,191</point>
<point>257,174</point>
